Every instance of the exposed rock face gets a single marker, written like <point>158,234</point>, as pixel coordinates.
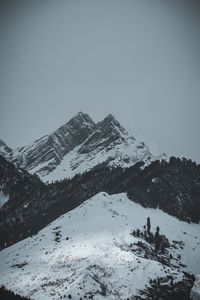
<point>107,132</point>
<point>79,146</point>
<point>121,148</point>
<point>43,155</point>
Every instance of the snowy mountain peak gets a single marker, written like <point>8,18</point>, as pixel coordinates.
<point>110,119</point>
<point>110,124</point>
<point>45,154</point>
<point>106,135</point>
<point>108,144</point>
<point>83,119</point>
<point>80,145</point>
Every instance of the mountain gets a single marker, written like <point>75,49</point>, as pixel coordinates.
<point>43,155</point>
<point>172,185</point>
<point>110,144</point>
<point>79,146</point>
<point>90,252</point>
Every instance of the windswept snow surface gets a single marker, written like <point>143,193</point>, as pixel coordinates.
<point>87,251</point>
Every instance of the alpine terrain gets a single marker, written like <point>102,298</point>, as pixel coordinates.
<point>92,211</point>
<point>79,146</point>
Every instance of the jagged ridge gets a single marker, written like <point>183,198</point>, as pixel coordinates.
<point>79,146</point>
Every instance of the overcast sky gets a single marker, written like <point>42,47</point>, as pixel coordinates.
<point>139,60</point>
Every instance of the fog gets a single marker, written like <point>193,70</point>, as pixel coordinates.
<point>138,60</point>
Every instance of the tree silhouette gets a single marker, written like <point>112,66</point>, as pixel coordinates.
<point>157,239</point>
<point>148,226</point>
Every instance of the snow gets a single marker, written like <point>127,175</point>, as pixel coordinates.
<point>30,147</point>
<point>154,149</point>
<point>125,153</point>
<point>92,253</point>
<point>195,292</point>
<point>107,142</point>
<point>40,166</point>
<point>3,198</point>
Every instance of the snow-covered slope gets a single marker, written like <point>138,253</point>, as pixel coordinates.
<point>43,155</point>
<point>87,252</point>
<point>81,145</point>
<point>109,144</point>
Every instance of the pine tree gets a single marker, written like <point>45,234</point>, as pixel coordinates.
<point>162,247</point>
<point>157,239</point>
<point>148,226</point>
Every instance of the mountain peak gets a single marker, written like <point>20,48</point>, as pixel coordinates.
<point>81,114</point>
<point>82,118</point>
<point>80,145</point>
<point>110,124</point>
<point>110,118</point>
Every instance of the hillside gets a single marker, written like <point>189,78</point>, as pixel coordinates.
<point>91,253</point>
<point>172,186</point>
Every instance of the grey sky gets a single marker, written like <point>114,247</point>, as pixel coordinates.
<point>139,60</point>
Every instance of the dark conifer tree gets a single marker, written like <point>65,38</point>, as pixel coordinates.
<point>157,239</point>
<point>148,226</point>
<point>162,247</point>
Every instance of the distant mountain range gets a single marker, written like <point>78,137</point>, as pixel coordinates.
<point>79,146</point>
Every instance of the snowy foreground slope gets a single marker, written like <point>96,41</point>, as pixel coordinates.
<point>87,250</point>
